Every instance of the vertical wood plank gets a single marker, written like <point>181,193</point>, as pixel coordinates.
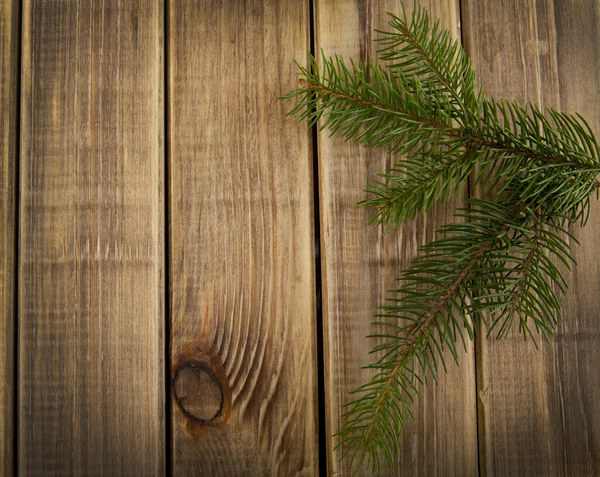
<point>360,263</point>
<point>539,411</point>
<point>91,294</point>
<point>9,63</point>
<point>242,266</point>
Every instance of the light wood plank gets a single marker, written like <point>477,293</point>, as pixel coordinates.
<point>539,411</point>
<point>9,63</point>
<point>361,263</point>
<point>242,266</point>
<point>91,294</point>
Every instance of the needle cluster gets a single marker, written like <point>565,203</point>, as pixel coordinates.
<point>498,263</point>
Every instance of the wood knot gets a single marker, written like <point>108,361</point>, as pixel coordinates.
<point>200,389</point>
<point>198,392</point>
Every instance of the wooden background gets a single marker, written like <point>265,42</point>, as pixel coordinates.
<point>170,242</point>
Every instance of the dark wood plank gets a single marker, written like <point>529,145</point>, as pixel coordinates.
<point>539,412</point>
<point>9,63</point>
<point>360,263</point>
<point>91,294</point>
<point>242,266</point>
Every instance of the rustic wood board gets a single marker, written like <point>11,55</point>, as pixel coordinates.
<point>91,279</point>
<point>241,253</point>
<point>539,412</point>
<point>360,263</point>
<point>9,64</point>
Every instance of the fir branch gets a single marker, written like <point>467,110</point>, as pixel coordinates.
<point>522,280</point>
<point>414,185</point>
<point>498,265</point>
<point>385,111</point>
<point>437,301</point>
<point>525,270</point>
<point>533,156</point>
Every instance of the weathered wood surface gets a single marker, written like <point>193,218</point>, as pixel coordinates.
<point>9,63</point>
<point>91,291</point>
<point>539,413</point>
<point>91,279</point>
<point>241,251</point>
<point>360,263</point>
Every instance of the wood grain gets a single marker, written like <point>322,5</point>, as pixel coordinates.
<point>242,266</point>
<point>360,263</point>
<point>91,294</point>
<point>539,411</point>
<point>9,64</point>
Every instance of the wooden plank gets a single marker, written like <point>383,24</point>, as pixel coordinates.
<point>539,412</point>
<point>242,266</point>
<point>9,64</point>
<point>360,263</point>
<point>91,294</point>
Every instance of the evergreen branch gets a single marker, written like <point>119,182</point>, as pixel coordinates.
<point>418,330</point>
<point>534,157</point>
<point>386,110</point>
<point>327,93</point>
<point>518,288</point>
<point>414,185</point>
<point>567,139</point>
<point>523,279</point>
<point>494,252</point>
<point>429,285</point>
<point>538,169</point>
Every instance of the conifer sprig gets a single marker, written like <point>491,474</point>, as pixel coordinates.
<point>497,260</point>
<point>536,157</point>
<point>498,264</point>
